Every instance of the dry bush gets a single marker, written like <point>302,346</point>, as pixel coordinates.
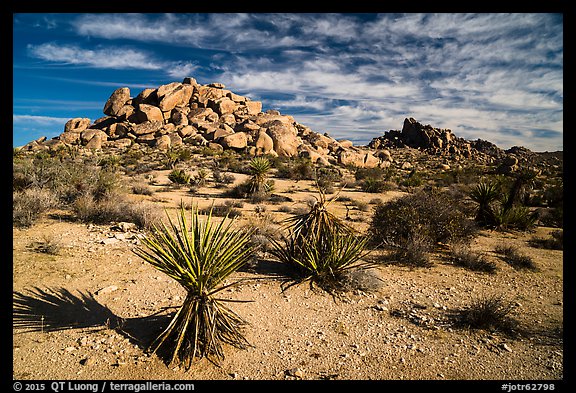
<point>463,256</point>
<point>515,258</point>
<point>27,205</point>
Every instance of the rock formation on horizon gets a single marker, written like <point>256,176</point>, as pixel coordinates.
<point>188,113</point>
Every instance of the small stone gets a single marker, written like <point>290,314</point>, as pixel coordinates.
<point>89,361</point>
<point>505,347</point>
<point>108,289</point>
<point>295,372</point>
<point>70,349</point>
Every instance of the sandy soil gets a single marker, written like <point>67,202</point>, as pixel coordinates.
<point>90,311</point>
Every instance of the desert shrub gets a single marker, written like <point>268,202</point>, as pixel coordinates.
<point>200,257</point>
<point>491,313</point>
<point>110,161</point>
<point>131,157</point>
<point>373,185</point>
<point>201,177</point>
<point>365,280</point>
<point>513,257</point>
<point>27,205</point>
<point>297,168</point>
<point>413,179</point>
<point>326,178</point>
<point>429,214</point>
<point>222,178</point>
<point>48,245</point>
<point>361,205</point>
<point>227,209</point>
<point>374,173</point>
<point>500,202</point>
<point>463,256</point>
<point>257,187</point>
<point>413,251</point>
<point>142,189</point>
<point>179,176</point>
<point>88,209</point>
<point>554,242</point>
<point>320,247</point>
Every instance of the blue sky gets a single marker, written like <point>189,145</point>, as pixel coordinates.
<point>492,76</point>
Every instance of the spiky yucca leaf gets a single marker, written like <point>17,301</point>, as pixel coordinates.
<point>320,245</point>
<point>200,257</point>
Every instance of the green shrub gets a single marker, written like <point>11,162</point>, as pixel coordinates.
<point>179,176</point>
<point>326,178</point>
<point>141,189</point>
<point>372,185</point>
<point>117,209</point>
<point>297,168</point>
<point>429,214</point>
<point>413,251</point>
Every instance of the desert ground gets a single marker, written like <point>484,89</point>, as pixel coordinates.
<point>89,310</point>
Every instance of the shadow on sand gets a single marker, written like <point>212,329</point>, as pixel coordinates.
<point>50,310</point>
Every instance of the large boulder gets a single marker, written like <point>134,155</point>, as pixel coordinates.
<point>223,105</point>
<point>127,113</point>
<point>146,96</point>
<point>149,113</point>
<point>173,95</point>
<point>87,135</point>
<point>357,158</point>
<point>253,107</point>
<point>163,142</point>
<point>77,124</point>
<point>116,101</point>
<point>148,127</point>
<point>284,137</point>
<point>70,138</point>
<point>264,143</point>
<point>238,140</point>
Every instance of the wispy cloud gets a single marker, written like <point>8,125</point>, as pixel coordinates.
<point>40,120</point>
<point>493,76</point>
<point>108,58</point>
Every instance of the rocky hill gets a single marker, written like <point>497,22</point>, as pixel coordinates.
<point>189,113</point>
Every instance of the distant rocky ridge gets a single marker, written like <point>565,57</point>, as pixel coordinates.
<point>188,113</point>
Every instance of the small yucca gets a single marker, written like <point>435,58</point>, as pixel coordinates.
<point>320,246</point>
<point>200,257</point>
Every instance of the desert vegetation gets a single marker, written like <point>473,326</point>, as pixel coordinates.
<point>254,212</point>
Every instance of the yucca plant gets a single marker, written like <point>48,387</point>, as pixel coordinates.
<point>320,246</point>
<point>179,176</point>
<point>259,168</point>
<point>485,194</point>
<point>200,257</point>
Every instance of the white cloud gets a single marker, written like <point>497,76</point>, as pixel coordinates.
<point>39,120</point>
<point>117,58</point>
<point>110,58</point>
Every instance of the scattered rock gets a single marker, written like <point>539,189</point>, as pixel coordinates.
<point>108,289</point>
<point>295,372</point>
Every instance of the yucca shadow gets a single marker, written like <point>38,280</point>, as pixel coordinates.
<point>50,310</point>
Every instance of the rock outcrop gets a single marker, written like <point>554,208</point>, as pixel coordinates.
<point>437,141</point>
<point>188,113</point>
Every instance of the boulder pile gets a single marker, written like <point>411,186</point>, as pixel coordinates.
<point>188,113</point>
<point>439,142</point>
